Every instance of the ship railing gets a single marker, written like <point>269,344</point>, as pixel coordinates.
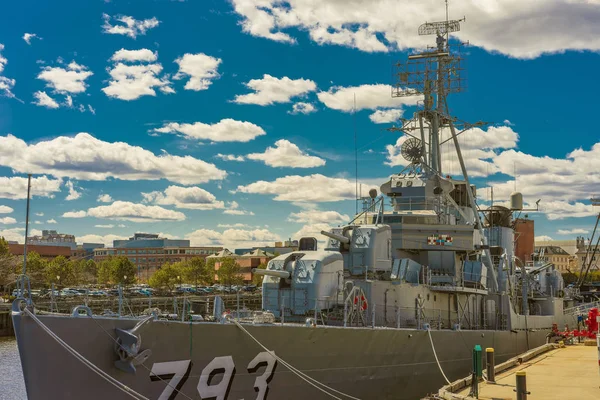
<point>436,318</point>
<point>582,308</point>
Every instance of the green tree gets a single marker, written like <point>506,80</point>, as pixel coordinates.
<point>8,264</point>
<point>196,271</point>
<point>229,272</point>
<point>165,277</point>
<point>122,270</point>
<point>103,271</point>
<point>257,279</point>
<point>60,271</point>
<point>85,271</point>
<point>36,269</point>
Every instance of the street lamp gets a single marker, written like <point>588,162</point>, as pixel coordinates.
<point>58,279</point>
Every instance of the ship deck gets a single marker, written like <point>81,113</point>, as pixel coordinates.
<point>563,373</point>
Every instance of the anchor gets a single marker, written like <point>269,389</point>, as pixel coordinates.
<point>128,345</point>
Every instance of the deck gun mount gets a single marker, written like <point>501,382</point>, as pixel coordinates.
<point>298,282</point>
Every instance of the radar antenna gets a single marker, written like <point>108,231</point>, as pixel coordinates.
<point>412,150</point>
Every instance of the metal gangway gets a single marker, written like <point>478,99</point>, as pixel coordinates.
<point>582,308</point>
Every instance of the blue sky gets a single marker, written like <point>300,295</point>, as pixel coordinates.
<point>196,157</point>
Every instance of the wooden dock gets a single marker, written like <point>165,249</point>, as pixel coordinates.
<point>570,372</point>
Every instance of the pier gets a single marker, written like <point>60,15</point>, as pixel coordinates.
<point>569,372</point>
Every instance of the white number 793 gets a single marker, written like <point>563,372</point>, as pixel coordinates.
<point>178,372</point>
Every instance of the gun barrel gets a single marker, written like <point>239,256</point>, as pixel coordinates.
<point>335,236</point>
<point>270,272</point>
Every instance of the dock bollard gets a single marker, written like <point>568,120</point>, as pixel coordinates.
<point>491,375</point>
<point>476,372</point>
<point>522,386</point>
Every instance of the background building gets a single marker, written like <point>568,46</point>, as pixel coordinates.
<point>53,238</point>
<point>148,252</point>
<point>149,240</point>
<point>246,262</point>
<point>86,250</point>
<point>46,251</point>
<point>524,239</point>
<point>557,256</point>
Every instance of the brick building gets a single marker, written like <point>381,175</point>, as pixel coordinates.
<point>45,251</point>
<point>524,239</point>
<point>246,262</point>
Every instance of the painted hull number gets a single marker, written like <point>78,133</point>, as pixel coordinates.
<point>176,373</point>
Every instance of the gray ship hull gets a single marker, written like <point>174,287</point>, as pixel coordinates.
<point>362,362</point>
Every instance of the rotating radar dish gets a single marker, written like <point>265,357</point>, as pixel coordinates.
<point>412,150</point>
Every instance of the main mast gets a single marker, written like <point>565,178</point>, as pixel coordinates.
<point>433,74</point>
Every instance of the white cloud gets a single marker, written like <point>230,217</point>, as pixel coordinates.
<point>84,157</point>
<point>567,181</point>
<point>28,36</point>
<point>66,80</point>
<point>104,198</point>
<point>51,221</point>
<point>238,212</point>
<point>8,220</point>
<point>557,209</point>
<point>92,110</point>
<point>201,69</point>
<point>130,82</point>
<point>69,101</point>
<point>107,226</point>
<point>313,230</point>
<point>226,130</point>
<point>302,108</point>
<point>73,193</point>
<point>238,225</point>
<point>184,197</point>
<point>543,238</point>
<point>42,99</point>
<point>312,217</point>
<point>510,27</point>
<point>142,55</point>
<point>39,214</point>
<point>6,210</point>
<point>13,234</point>
<point>270,90</point>
<point>129,26</point>
<point>128,211</point>
<point>15,187</point>
<point>286,154</point>
<point>302,189</point>
<point>479,149</point>
<point>386,116</point>
<point>106,240</point>
<point>38,222</point>
<point>75,214</point>
<point>574,231</point>
<point>6,84</point>
<point>230,157</point>
<point>234,209</point>
<point>369,97</point>
<point>232,238</point>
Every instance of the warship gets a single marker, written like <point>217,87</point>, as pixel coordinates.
<point>389,308</point>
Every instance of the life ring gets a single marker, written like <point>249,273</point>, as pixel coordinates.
<point>363,302</point>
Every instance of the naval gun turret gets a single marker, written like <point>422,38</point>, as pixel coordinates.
<point>299,282</point>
